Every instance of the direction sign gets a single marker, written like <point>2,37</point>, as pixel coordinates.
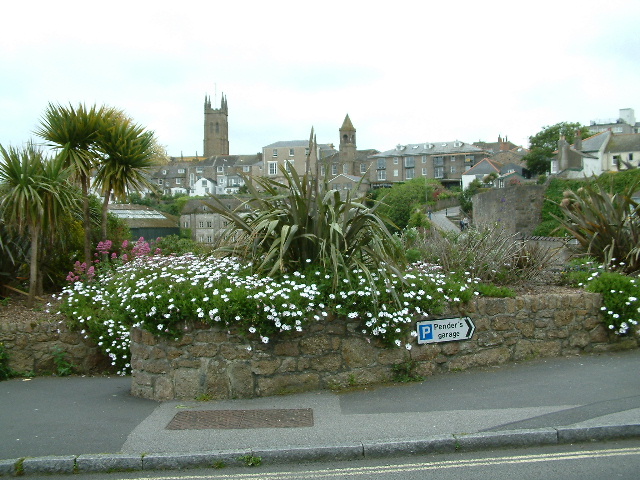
<point>445,330</point>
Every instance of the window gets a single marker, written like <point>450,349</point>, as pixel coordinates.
<point>382,174</point>
<point>164,172</point>
<point>395,172</point>
<point>438,161</point>
<point>469,158</point>
<point>178,181</point>
<point>181,170</point>
<point>410,173</point>
<point>424,159</point>
<point>630,157</point>
<point>453,169</point>
<point>334,169</point>
<point>273,168</point>
<point>201,224</point>
<point>322,170</point>
<point>209,224</point>
<point>220,169</point>
<point>363,168</point>
<point>617,130</point>
<point>438,172</point>
<point>201,238</point>
<point>396,160</point>
<point>159,181</point>
<point>192,179</point>
<point>306,151</point>
<point>424,171</point>
<point>186,225</point>
<point>209,239</point>
<point>382,163</point>
<point>246,169</point>
<point>409,162</point>
<point>275,152</point>
<point>204,183</point>
<point>287,166</point>
<point>345,168</point>
<point>453,158</point>
<point>291,152</point>
<point>615,160</point>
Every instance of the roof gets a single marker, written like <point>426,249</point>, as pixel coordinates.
<point>347,125</point>
<point>139,216</point>
<point>594,142</point>
<point>484,167</point>
<point>361,156</point>
<point>629,142</point>
<point>428,148</point>
<point>351,178</point>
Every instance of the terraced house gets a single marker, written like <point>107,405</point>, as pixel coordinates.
<point>444,161</point>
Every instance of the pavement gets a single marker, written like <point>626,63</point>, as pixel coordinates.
<point>441,220</point>
<point>62,425</point>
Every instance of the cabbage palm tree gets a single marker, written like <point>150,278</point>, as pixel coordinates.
<point>74,132</point>
<point>128,153</point>
<point>34,191</point>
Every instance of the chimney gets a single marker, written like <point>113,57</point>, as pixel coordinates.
<point>577,143</point>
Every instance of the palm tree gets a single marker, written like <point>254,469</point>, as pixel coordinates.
<point>33,192</point>
<point>74,132</point>
<point>128,153</point>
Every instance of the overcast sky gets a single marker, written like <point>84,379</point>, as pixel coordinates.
<point>406,72</point>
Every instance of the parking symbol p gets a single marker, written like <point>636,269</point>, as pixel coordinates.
<point>425,332</point>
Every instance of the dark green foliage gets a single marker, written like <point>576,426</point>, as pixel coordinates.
<point>545,142</point>
<point>400,202</point>
<point>288,227</point>
<point>63,366</point>
<point>176,245</point>
<point>606,224</point>
<point>405,372</point>
<point>5,371</point>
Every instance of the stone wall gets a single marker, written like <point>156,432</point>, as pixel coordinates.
<point>517,209</point>
<point>214,363</point>
<point>31,347</point>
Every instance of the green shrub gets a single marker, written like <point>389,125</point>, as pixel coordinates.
<point>620,295</point>
<point>5,370</point>
<point>288,227</point>
<point>488,254</point>
<point>606,224</point>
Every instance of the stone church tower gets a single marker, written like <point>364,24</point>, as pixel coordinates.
<point>216,128</point>
<point>348,145</point>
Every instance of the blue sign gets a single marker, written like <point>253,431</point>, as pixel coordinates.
<point>425,332</point>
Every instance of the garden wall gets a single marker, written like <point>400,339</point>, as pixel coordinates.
<point>31,348</point>
<point>214,363</point>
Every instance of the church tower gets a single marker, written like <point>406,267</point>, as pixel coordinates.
<point>216,128</point>
<point>348,145</point>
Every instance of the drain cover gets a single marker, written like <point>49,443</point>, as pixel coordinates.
<point>227,419</point>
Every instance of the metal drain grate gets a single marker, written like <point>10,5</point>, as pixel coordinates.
<point>228,419</point>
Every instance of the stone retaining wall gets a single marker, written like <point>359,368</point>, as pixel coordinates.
<point>214,363</point>
<point>32,346</point>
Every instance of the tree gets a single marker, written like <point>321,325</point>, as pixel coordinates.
<point>127,154</point>
<point>34,193</point>
<point>74,132</point>
<point>545,142</point>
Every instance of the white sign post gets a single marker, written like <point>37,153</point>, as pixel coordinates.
<point>445,330</point>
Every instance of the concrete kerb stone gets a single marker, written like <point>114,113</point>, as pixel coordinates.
<point>8,467</point>
<point>49,464</point>
<point>306,454</point>
<point>595,433</point>
<point>435,444</point>
<point>506,439</point>
<point>178,461</point>
<point>108,462</point>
